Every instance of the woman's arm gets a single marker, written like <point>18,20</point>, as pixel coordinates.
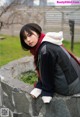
<point>37,90</point>
<point>46,68</point>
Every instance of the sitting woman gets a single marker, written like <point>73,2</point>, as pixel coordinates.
<point>58,70</point>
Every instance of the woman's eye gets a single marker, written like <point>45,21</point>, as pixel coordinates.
<point>28,35</point>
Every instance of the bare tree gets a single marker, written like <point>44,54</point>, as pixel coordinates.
<point>5,8</point>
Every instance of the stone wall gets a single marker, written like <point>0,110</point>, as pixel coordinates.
<point>14,95</point>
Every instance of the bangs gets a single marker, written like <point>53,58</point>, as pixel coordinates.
<point>23,33</point>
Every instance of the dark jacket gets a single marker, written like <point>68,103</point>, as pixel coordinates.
<point>59,72</point>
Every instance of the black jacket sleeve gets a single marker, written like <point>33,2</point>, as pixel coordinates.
<point>46,69</point>
<point>39,84</point>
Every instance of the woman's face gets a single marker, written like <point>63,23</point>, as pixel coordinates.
<point>31,39</point>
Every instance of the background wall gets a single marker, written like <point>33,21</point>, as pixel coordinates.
<point>49,18</point>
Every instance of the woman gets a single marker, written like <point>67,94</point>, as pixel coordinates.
<point>58,70</point>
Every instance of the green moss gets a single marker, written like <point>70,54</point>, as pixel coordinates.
<point>29,77</point>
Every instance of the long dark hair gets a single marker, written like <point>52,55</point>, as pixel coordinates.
<point>29,28</point>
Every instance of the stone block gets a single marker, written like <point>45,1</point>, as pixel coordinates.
<point>36,105</point>
<point>21,103</point>
<point>15,114</point>
<point>60,106</point>
<point>6,96</point>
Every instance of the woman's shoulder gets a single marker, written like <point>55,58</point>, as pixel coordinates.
<point>47,47</point>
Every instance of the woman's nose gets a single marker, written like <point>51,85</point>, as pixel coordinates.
<point>28,39</point>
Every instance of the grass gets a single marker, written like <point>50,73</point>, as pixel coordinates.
<point>10,49</point>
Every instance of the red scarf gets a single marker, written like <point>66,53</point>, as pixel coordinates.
<point>34,51</point>
<point>72,56</point>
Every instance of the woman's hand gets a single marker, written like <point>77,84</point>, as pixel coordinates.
<point>35,92</point>
<point>32,96</point>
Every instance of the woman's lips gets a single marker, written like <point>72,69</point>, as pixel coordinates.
<point>31,43</point>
